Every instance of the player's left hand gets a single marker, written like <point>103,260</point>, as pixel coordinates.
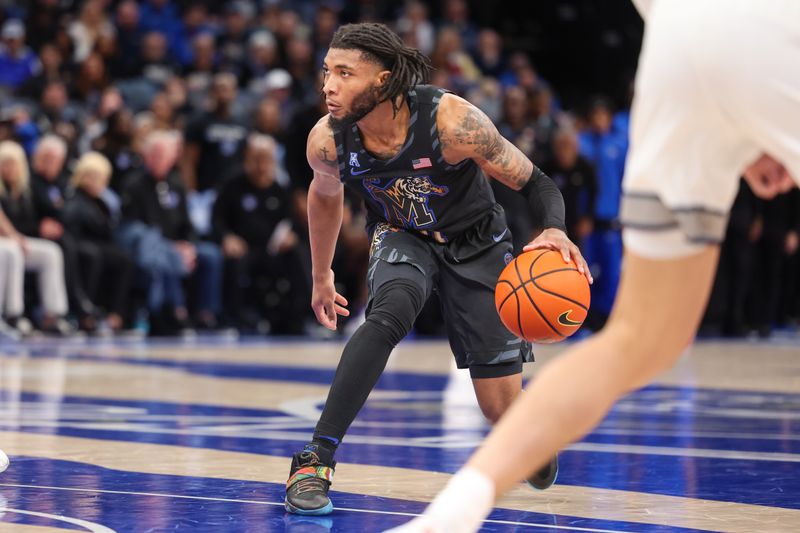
<point>555,239</point>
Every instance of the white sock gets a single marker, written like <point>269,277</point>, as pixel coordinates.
<point>464,503</point>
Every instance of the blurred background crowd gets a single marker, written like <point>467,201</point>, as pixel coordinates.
<point>152,158</point>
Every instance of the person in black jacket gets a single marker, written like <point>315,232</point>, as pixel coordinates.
<point>38,255</point>
<point>49,188</point>
<point>252,220</point>
<point>92,223</point>
<point>157,198</point>
<point>576,179</point>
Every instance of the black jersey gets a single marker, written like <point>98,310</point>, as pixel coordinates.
<point>416,189</point>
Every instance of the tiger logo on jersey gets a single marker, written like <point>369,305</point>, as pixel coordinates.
<point>405,200</point>
<point>382,229</point>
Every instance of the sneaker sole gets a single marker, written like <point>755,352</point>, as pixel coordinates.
<point>534,487</point>
<point>328,509</point>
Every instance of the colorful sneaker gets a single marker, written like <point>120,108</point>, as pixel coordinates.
<point>310,477</point>
<point>546,476</point>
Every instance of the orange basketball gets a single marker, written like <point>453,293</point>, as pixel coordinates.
<point>540,298</point>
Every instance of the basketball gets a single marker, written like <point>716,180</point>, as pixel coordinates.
<point>540,298</point>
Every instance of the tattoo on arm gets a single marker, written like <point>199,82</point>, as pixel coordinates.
<point>476,136</point>
<point>322,154</point>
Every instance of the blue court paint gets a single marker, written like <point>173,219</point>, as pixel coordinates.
<point>408,427</point>
<point>141,503</point>
<point>390,380</point>
<point>774,483</point>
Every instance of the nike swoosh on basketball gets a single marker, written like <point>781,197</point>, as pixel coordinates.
<point>499,236</point>
<point>358,172</point>
<point>564,319</point>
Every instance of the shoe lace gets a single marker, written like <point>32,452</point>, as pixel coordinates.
<point>311,483</point>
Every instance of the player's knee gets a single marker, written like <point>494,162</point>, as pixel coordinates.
<point>493,410</point>
<point>395,306</point>
<point>646,355</point>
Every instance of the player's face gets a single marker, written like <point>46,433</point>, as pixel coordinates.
<point>351,85</point>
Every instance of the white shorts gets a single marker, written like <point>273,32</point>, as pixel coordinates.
<point>718,85</point>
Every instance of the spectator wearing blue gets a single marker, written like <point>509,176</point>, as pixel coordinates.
<point>17,61</point>
<point>163,17</point>
<point>606,150</point>
<point>195,22</point>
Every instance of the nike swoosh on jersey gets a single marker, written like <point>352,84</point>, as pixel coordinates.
<point>358,172</point>
<point>499,237</point>
<point>564,319</point>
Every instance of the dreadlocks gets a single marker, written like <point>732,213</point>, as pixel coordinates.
<point>408,66</point>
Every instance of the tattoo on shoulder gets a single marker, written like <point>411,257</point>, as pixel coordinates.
<point>325,154</point>
<point>326,158</point>
<point>475,132</point>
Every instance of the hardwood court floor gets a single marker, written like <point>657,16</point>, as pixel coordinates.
<point>174,436</point>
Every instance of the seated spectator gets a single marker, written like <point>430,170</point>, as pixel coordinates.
<point>92,223</point>
<point>48,178</point>
<point>163,242</point>
<point>12,270</point>
<point>252,220</point>
<point>41,217</point>
<point>37,255</point>
<point>17,61</point>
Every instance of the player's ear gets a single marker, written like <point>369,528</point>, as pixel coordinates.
<point>383,77</point>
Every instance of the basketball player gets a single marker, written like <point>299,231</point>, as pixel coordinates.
<point>717,95</point>
<point>418,155</point>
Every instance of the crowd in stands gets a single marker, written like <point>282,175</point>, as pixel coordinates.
<point>153,174</point>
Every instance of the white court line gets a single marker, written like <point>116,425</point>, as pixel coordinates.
<point>709,453</point>
<point>443,442</point>
<point>257,502</point>
<point>91,526</point>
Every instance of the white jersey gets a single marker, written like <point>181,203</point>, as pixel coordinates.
<point>643,6</point>
<point>718,84</point>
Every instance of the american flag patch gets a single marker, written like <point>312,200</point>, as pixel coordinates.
<point>424,162</point>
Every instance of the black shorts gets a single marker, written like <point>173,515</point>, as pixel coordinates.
<point>464,273</point>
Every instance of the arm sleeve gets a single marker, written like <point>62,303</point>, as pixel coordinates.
<point>545,200</point>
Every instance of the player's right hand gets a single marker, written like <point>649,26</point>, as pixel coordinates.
<point>327,303</point>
